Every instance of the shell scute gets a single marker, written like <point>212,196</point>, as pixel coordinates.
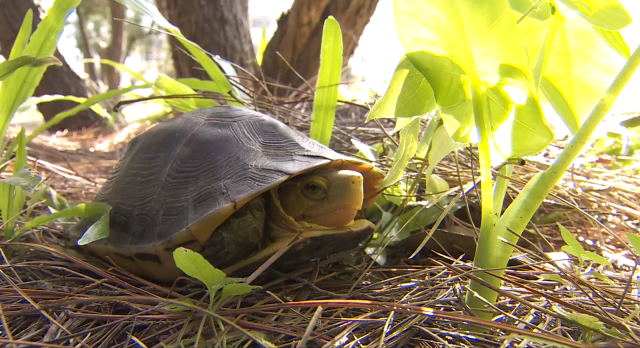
<point>181,179</point>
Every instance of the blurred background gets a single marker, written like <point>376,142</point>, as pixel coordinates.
<point>105,29</point>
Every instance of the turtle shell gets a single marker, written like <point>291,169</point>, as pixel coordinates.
<point>178,181</point>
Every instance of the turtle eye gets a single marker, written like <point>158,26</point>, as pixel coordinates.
<point>315,189</point>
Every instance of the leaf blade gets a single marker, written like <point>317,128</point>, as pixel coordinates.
<point>195,265</point>
<point>606,14</point>
<point>97,231</point>
<point>409,94</point>
<point>173,87</point>
<point>196,51</point>
<point>326,96</point>
<point>406,150</point>
<point>12,65</point>
<point>83,210</point>
<point>21,84</point>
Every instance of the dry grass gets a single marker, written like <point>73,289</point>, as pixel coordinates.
<point>52,297</point>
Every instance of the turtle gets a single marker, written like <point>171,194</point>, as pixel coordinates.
<point>236,186</point>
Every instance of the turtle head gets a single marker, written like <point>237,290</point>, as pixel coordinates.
<point>328,198</point>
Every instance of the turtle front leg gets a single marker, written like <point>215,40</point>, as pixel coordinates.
<point>238,237</point>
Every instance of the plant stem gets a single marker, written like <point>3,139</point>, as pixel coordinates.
<point>520,212</point>
<point>500,188</point>
<point>488,218</point>
<point>480,111</point>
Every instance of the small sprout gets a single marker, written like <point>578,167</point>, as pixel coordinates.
<point>574,248</point>
<point>196,266</point>
<point>589,255</point>
<point>236,289</point>
<point>587,320</point>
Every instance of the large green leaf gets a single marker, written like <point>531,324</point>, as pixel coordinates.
<point>524,130</point>
<point>543,53</point>
<point>560,105</point>
<point>21,84</point>
<point>326,96</point>
<point>409,94</point>
<point>580,65</point>
<point>615,40</point>
<point>606,14</point>
<point>457,44</point>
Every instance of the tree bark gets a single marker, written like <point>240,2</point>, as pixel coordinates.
<point>220,27</point>
<point>299,37</point>
<point>85,47</point>
<point>114,51</point>
<point>56,79</point>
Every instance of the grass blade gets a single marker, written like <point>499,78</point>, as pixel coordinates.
<point>212,69</point>
<point>12,65</point>
<point>169,86</point>
<point>21,84</point>
<point>23,36</point>
<point>326,98</point>
<point>91,101</point>
<point>12,196</point>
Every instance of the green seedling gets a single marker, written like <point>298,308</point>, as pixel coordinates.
<point>326,96</point>
<point>196,266</point>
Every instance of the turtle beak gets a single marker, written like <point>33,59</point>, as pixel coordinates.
<point>344,200</point>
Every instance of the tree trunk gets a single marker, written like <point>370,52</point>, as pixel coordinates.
<point>299,37</point>
<point>220,27</point>
<point>83,44</point>
<point>113,52</point>
<point>56,79</point>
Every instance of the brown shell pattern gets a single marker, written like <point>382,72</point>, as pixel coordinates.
<point>182,178</point>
